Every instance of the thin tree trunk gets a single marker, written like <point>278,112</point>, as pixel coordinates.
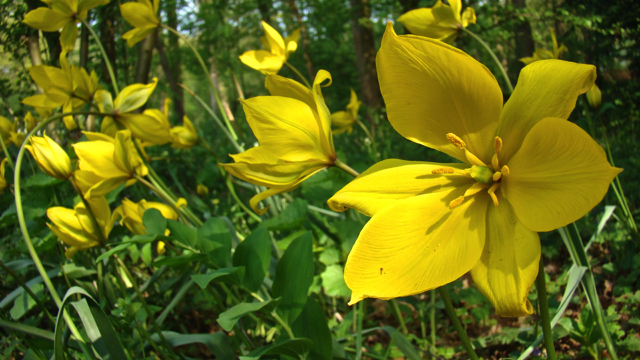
<point>264,6</point>
<point>365,53</point>
<point>108,36</point>
<point>33,43</point>
<point>84,46</point>
<point>178,105</point>
<point>145,55</point>
<point>304,34</point>
<point>175,65</point>
<point>524,43</point>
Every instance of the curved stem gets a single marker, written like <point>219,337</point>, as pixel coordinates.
<point>462,333</point>
<point>493,56</point>
<point>6,154</point>
<point>346,168</point>
<point>304,80</point>
<point>114,81</point>
<point>208,74</point>
<point>541,286</point>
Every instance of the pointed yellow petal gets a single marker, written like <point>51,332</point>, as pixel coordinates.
<point>68,36</point>
<point>263,61</point>
<point>50,157</point>
<point>263,195</point>
<point>105,186</point>
<point>67,228</point>
<point>509,263</point>
<point>389,181</point>
<point>324,115</point>
<point>558,175</point>
<point>46,19</point>
<point>545,89</point>
<point>468,17</point>
<point>432,89</point>
<point>139,14</point>
<point>148,126</point>
<point>341,119</point>
<point>41,101</point>
<point>276,43</point>
<point>416,245</point>
<point>281,86</point>
<point>134,96</point>
<point>104,100</point>
<point>291,42</point>
<point>97,157</point>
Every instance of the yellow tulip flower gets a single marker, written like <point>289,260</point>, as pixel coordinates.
<point>524,169</point>
<point>278,50</point>
<point>143,16</point>
<point>9,133</point>
<point>343,120</point>
<point>62,14</point>
<point>131,213</point>
<point>77,229</point>
<point>594,97</point>
<point>105,163</point>
<point>185,136</point>
<point>293,127</point>
<point>150,126</point>
<point>3,182</point>
<point>442,22</point>
<point>51,158</point>
<point>543,54</point>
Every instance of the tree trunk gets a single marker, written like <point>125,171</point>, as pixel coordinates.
<point>524,43</point>
<point>365,53</point>
<point>107,36</point>
<point>84,46</point>
<point>176,90</point>
<point>175,65</point>
<point>264,6</point>
<point>305,39</point>
<point>145,55</point>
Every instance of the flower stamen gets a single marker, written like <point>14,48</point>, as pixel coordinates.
<point>456,141</point>
<point>497,146</point>
<point>492,192</point>
<point>497,175</point>
<point>505,170</point>
<point>448,171</point>
<point>472,190</point>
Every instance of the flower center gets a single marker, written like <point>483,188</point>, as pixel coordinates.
<point>487,177</point>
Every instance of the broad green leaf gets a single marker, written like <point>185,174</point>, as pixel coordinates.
<point>294,275</point>
<point>178,261</point>
<point>112,251</point>
<point>72,271</point>
<point>154,223</point>
<point>182,233</point>
<point>217,342</point>
<point>231,275</point>
<point>330,256</point>
<point>230,317</point>
<point>291,218</point>
<point>333,281</point>
<point>312,324</point>
<point>41,180</point>
<point>214,239</point>
<point>254,253</point>
<point>25,302</point>
<point>295,348</point>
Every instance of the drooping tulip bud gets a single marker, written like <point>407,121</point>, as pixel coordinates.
<point>51,158</point>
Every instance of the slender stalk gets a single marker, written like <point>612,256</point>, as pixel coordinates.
<point>360,316</point>
<point>396,310</point>
<point>304,80</point>
<point>462,333</point>
<point>541,286</point>
<point>493,56</point>
<point>432,294</point>
<point>208,74</point>
<point>114,81</point>
<point>26,329</point>
<point>6,154</point>
<point>283,324</point>
<point>346,168</point>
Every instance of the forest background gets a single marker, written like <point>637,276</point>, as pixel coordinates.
<point>341,37</point>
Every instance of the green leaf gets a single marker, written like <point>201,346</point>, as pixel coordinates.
<point>231,275</point>
<point>291,218</point>
<point>214,239</point>
<point>230,317</point>
<point>296,348</point>
<point>312,324</point>
<point>330,256</point>
<point>72,271</point>
<point>41,180</point>
<point>188,236</point>
<point>217,342</point>
<point>154,223</point>
<point>254,253</point>
<point>294,275</point>
<point>112,251</point>
<point>25,302</point>
<point>402,343</point>
<point>178,261</point>
<point>333,281</point>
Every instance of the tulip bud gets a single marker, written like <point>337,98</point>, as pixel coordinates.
<point>51,158</point>
<point>594,97</point>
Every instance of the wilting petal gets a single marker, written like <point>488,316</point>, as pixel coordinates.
<point>263,61</point>
<point>134,96</point>
<point>422,22</point>
<point>509,263</point>
<point>285,126</point>
<point>416,245</point>
<point>557,176</point>
<point>389,181</point>
<point>545,89</point>
<point>432,89</point>
<point>46,19</point>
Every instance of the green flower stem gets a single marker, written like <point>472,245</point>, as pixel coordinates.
<point>208,74</point>
<point>114,81</point>
<point>346,168</point>
<point>371,137</point>
<point>396,310</point>
<point>493,56</point>
<point>462,333</point>
<point>304,80</point>
<point>206,107</point>
<point>579,254</point>
<point>432,319</point>
<point>28,290</point>
<point>283,324</point>
<point>25,231</point>
<point>6,154</point>
<point>360,311</point>
<point>541,286</point>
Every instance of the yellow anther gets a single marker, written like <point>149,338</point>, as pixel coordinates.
<point>455,203</point>
<point>443,170</point>
<point>505,170</point>
<point>492,192</point>
<point>455,140</point>
<point>494,162</point>
<point>473,160</point>
<point>497,145</point>
<point>497,175</point>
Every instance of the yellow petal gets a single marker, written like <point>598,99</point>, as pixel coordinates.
<point>50,157</point>
<point>341,119</point>
<point>291,42</point>
<point>509,263</point>
<point>281,86</point>
<point>98,157</point>
<point>558,175</point>
<point>41,101</point>
<point>104,100</point>
<point>101,212</point>
<point>324,115</point>
<point>389,181</point>
<point>422,22</point>
<point>263,195</point>
<point>69,7</point>
<point>68,36</point>
<point>68,228</point>
<point>139,14</point>
<point>286,127</point>
<point>432,89</point>
<point>545,89</point>
<point>263,61</point>
<point>86,5</point>
<point>416,245</point>
<point>134,96</point>
<point>46,19</point>
<point>594,97</point>
<point>147,126</point>
<point>468,17</point>
<point>276,43</point>
<point>105,186</point>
